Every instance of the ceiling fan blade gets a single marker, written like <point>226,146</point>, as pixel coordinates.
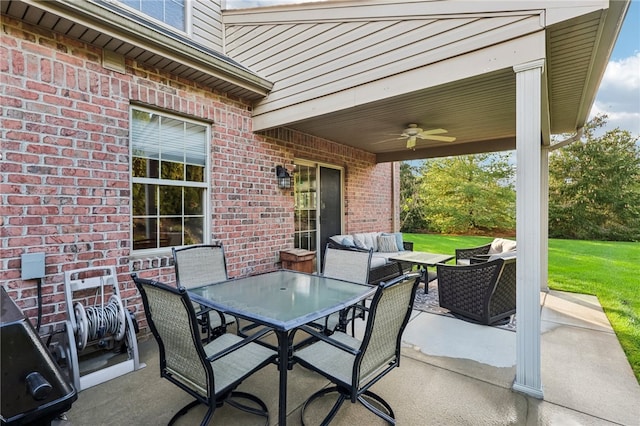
<point>440,138</point>
<point>387,140</point>
<point>433,132</point>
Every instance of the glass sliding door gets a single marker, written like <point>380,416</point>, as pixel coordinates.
<point>305,214</point>
<point>318,206</point>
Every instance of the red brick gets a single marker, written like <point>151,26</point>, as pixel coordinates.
<point>43,210</point>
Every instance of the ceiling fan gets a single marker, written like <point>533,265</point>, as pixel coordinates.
<point>413,133</point>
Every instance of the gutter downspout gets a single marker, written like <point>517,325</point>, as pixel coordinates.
<point>570,140</point>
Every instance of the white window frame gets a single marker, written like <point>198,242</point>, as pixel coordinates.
<point>205,186</point>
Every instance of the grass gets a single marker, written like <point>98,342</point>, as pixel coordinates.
<point>608,270</point>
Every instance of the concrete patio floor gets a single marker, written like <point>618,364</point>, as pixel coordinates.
<point>451,373</point>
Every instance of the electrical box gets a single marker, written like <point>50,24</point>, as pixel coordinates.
<point>32,266</point>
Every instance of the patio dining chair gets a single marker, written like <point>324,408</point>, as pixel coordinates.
<point>355,365</point>
<point>210,373</point>
<point>347,264</point>
<point>199,265</point>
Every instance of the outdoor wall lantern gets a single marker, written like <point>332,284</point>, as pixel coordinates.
<point>284,179</point>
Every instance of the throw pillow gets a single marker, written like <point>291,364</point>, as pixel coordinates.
<point>360,241</point>
<point>348,242</point>
<point>399,241</point>
<point>387,244</point>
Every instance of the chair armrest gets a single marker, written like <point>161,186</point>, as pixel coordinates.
<point>329,340</point>
<point>385,272</point>
<point>479,258</point>
<point>238,345</point>
<point>408,245</point>
<point>467,253</point>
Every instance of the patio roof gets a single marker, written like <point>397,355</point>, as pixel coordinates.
<point>359,72</point>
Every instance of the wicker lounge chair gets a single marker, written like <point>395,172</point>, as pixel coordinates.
<point>208,373</point>
<point>464,256</point>
<point>484,292</point>
<point>199,265</point>
<point>355,365</point>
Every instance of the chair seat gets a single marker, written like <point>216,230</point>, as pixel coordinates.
<point>330,360</point>
<point>231,368</point>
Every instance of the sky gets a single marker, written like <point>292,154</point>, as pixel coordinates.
<point>619,92</point>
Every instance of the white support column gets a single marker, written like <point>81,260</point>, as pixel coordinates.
<point>529,226</point>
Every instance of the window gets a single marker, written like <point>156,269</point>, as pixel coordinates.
<point>171,12</point>
<point>305,212</point>
<point>169,180</point>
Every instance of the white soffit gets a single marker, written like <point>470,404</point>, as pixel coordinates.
<point>479,62</point>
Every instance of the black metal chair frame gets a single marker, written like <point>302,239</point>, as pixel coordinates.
<point>212,399</point>
<point>356,310</point>
<point>203,313</point>
<point>353,391</point>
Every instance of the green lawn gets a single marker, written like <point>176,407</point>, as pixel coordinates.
<point>608,270</point>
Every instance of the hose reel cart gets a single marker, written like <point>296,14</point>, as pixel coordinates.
<point>100,332</point>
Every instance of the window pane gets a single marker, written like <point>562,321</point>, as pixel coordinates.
<point>144,200</point>
<point>145,234</point>
<point>173,140</point>
<point>142,167</point>
<point>193,231</point>
<point>170,200</point>
<point>195,173</point>
<point>145,135</point>
<point>154,8</point>
<point>195,143</point>
<point>174,14</point>
<point>172,171</point>
<point>170,231</point>
<point>193,201</point>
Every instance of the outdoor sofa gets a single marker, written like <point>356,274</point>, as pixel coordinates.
<point>384,245</point>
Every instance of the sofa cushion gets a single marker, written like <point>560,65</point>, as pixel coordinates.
<point>387,243</point>
<point>367,240</point>
<point>501,245</point>
<point>505,255</point>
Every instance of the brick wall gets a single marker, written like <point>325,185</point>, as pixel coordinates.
<point>65,169</point>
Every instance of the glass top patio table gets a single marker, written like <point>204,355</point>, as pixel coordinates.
<point>282,300</point>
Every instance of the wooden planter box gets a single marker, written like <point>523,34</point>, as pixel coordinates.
<point>298,260</point>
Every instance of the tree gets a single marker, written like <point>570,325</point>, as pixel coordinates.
<point>594,187</point>
<point>469,193</point>
<point>412,218</point>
